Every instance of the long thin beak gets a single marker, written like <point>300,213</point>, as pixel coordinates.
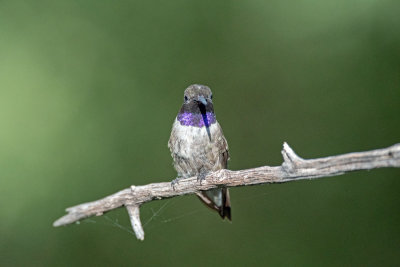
<point>202,100</point>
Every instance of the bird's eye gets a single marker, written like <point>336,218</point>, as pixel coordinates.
<point>186,98</point>
<point>211,96</point>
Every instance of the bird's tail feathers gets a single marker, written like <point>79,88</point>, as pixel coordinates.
<point>217,199</point>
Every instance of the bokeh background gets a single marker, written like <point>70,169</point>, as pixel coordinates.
<point>89,91</point>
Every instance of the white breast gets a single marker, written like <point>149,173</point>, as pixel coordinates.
<point>191,137</point>
<point>193,150</point>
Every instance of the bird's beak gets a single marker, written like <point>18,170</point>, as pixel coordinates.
<point>202,100</point>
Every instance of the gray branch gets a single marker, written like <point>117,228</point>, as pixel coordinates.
<point>293,168</point>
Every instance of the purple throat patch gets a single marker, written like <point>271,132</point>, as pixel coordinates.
<point>196,119</point>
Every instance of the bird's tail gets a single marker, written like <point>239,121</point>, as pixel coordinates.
<point>217,199</point>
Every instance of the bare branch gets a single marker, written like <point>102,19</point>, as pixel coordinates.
<point>292,169</point>
<point>134,216</point>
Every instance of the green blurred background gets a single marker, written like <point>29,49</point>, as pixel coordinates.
<point>89,91</point>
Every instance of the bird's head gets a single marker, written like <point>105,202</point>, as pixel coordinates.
<point>197,108</point>
<point>198,94</point>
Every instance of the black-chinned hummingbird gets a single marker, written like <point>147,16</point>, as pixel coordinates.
<point>198,145</point>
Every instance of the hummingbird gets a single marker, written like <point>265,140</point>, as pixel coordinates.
<point>198,145</point>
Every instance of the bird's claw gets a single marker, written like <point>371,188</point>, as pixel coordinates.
<point>201,177</point>
<point>175,182</point>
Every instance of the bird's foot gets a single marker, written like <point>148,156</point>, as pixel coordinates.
<point>175,182</point>
<point>201,176</point>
